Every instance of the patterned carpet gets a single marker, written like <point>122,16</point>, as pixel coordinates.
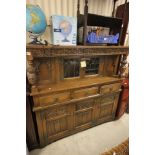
<point>121,149</point>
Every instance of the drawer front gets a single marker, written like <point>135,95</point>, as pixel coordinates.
<point>85,92</point>
<point>54,98</point>
<point>110,88</point>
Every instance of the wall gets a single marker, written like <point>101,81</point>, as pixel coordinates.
<point>69,8</point>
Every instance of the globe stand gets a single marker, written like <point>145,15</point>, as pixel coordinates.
<point>65,40</point>
<point>37,42</point>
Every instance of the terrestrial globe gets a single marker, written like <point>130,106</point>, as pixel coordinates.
<point>35,22</point>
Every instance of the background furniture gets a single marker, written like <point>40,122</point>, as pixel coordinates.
<point>68,96</point>
<point>123,12</point>
<point>117,24</point>
<point>124,99</point>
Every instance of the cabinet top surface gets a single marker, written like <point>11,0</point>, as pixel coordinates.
<point>29,46</point>
<point>72,84</point>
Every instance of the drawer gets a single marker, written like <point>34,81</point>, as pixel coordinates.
<point>54,98</point>
<point>110,88</point>
<point>85,92</point>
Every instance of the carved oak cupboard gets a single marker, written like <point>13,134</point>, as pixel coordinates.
<point>73,87</point>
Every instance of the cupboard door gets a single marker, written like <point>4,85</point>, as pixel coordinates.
<point>56,125</point>
<point>83,113</point>
<point>56,122</point>
<point>106,106</point>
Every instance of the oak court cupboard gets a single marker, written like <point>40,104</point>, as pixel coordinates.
<point>73,87</point>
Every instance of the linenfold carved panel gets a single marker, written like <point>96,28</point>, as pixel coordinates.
<point>106,110</point>
<point>83,118</point>
<point>56,126</point>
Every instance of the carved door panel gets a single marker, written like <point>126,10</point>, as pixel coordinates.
<point>43,68</point>
<point>56,122</point>
<point>83,114</point>
<point>111,65</point>
<point>106,106</point>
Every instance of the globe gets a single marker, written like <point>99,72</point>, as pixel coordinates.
<point>66,29</point>
<point>35,21</point>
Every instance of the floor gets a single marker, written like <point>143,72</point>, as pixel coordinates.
<point>93,141</point>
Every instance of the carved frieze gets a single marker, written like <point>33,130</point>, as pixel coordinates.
<point>76,51</point>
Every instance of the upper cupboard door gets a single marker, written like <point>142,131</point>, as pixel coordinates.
<point>43,69</point>
<point>111,65</point>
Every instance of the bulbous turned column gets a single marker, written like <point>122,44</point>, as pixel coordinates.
<point>123,66</point>
<point>31,75</point>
